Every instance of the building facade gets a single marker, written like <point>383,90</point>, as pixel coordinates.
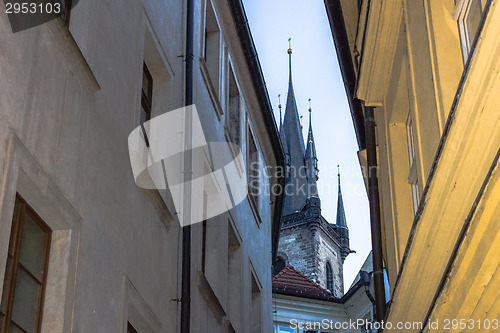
<point>307,240</point>
<point>82,247</point>
<point>429,70</point>
<point>301,305</point>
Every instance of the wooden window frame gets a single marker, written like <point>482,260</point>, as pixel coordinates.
<point>22,208</point>
<point>66,6</point>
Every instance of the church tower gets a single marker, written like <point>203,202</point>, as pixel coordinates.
<point>308,242</point>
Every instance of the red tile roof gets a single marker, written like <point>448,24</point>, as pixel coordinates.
<point>291,282</point>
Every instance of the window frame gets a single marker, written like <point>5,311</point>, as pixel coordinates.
<point>22,208</point>
<point>211,50</point>
<point>146,100</point>
<point>412,157</point>
<point>66,13</point>
<point>330,285</point>
<point>253,176</point>
<point>233,108</point>
<point>461,14</point>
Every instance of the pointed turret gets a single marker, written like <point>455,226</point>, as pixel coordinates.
<point>341,220</point>
<point>341,225</point>
<point>311,145</point>
<point>311,159</point>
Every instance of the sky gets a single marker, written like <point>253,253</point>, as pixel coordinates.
<point>316,75</point>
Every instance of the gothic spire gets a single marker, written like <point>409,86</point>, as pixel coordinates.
<point>311,160</point>
<point>291,122</point>
<point>311,145</point>
<point>293,142</point>
<point>282,132</point>
<point>341,220</point>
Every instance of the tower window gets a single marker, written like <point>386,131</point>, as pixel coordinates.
<point>329,277</point>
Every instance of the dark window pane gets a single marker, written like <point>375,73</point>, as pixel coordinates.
<point>15,329</point>
<point>472,20</point>
<point>32,246</point>
<point>131,329</point>
<point>26,299</point>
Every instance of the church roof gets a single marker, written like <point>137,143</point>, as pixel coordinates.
<point>291,282</point>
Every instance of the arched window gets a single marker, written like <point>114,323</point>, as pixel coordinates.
<point>329,277</point>
<point>279,265</point>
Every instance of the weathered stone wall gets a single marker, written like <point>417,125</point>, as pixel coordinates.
<point>308,252</point>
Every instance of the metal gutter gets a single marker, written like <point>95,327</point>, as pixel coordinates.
<point>339,33</point>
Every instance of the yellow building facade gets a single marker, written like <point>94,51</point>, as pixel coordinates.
<point>430,68</point>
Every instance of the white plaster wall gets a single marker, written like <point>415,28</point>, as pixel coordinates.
<point>66,110</point>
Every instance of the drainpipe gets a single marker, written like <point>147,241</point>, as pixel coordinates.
<point>186,214</point>
<point>376,229</point>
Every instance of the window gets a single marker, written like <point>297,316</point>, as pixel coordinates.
<point>233,127</point>
<point>146,99</point>
<point>256,311</point>
<point>212,46</point>
<point>283,329</point>
<point>234,270</point>
<point>130,328</point>
<point>204,235</point>
<point>468,14</point>
<point>26,274</point>
<point>412,177</point>
<point>329,277</point>
<point>65,9</point>
<point>253,170</point>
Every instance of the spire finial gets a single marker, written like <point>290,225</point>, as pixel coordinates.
<point>279,106</point>
<point>310,108</point>
<point>290,60</point>
<point>338,174</point>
